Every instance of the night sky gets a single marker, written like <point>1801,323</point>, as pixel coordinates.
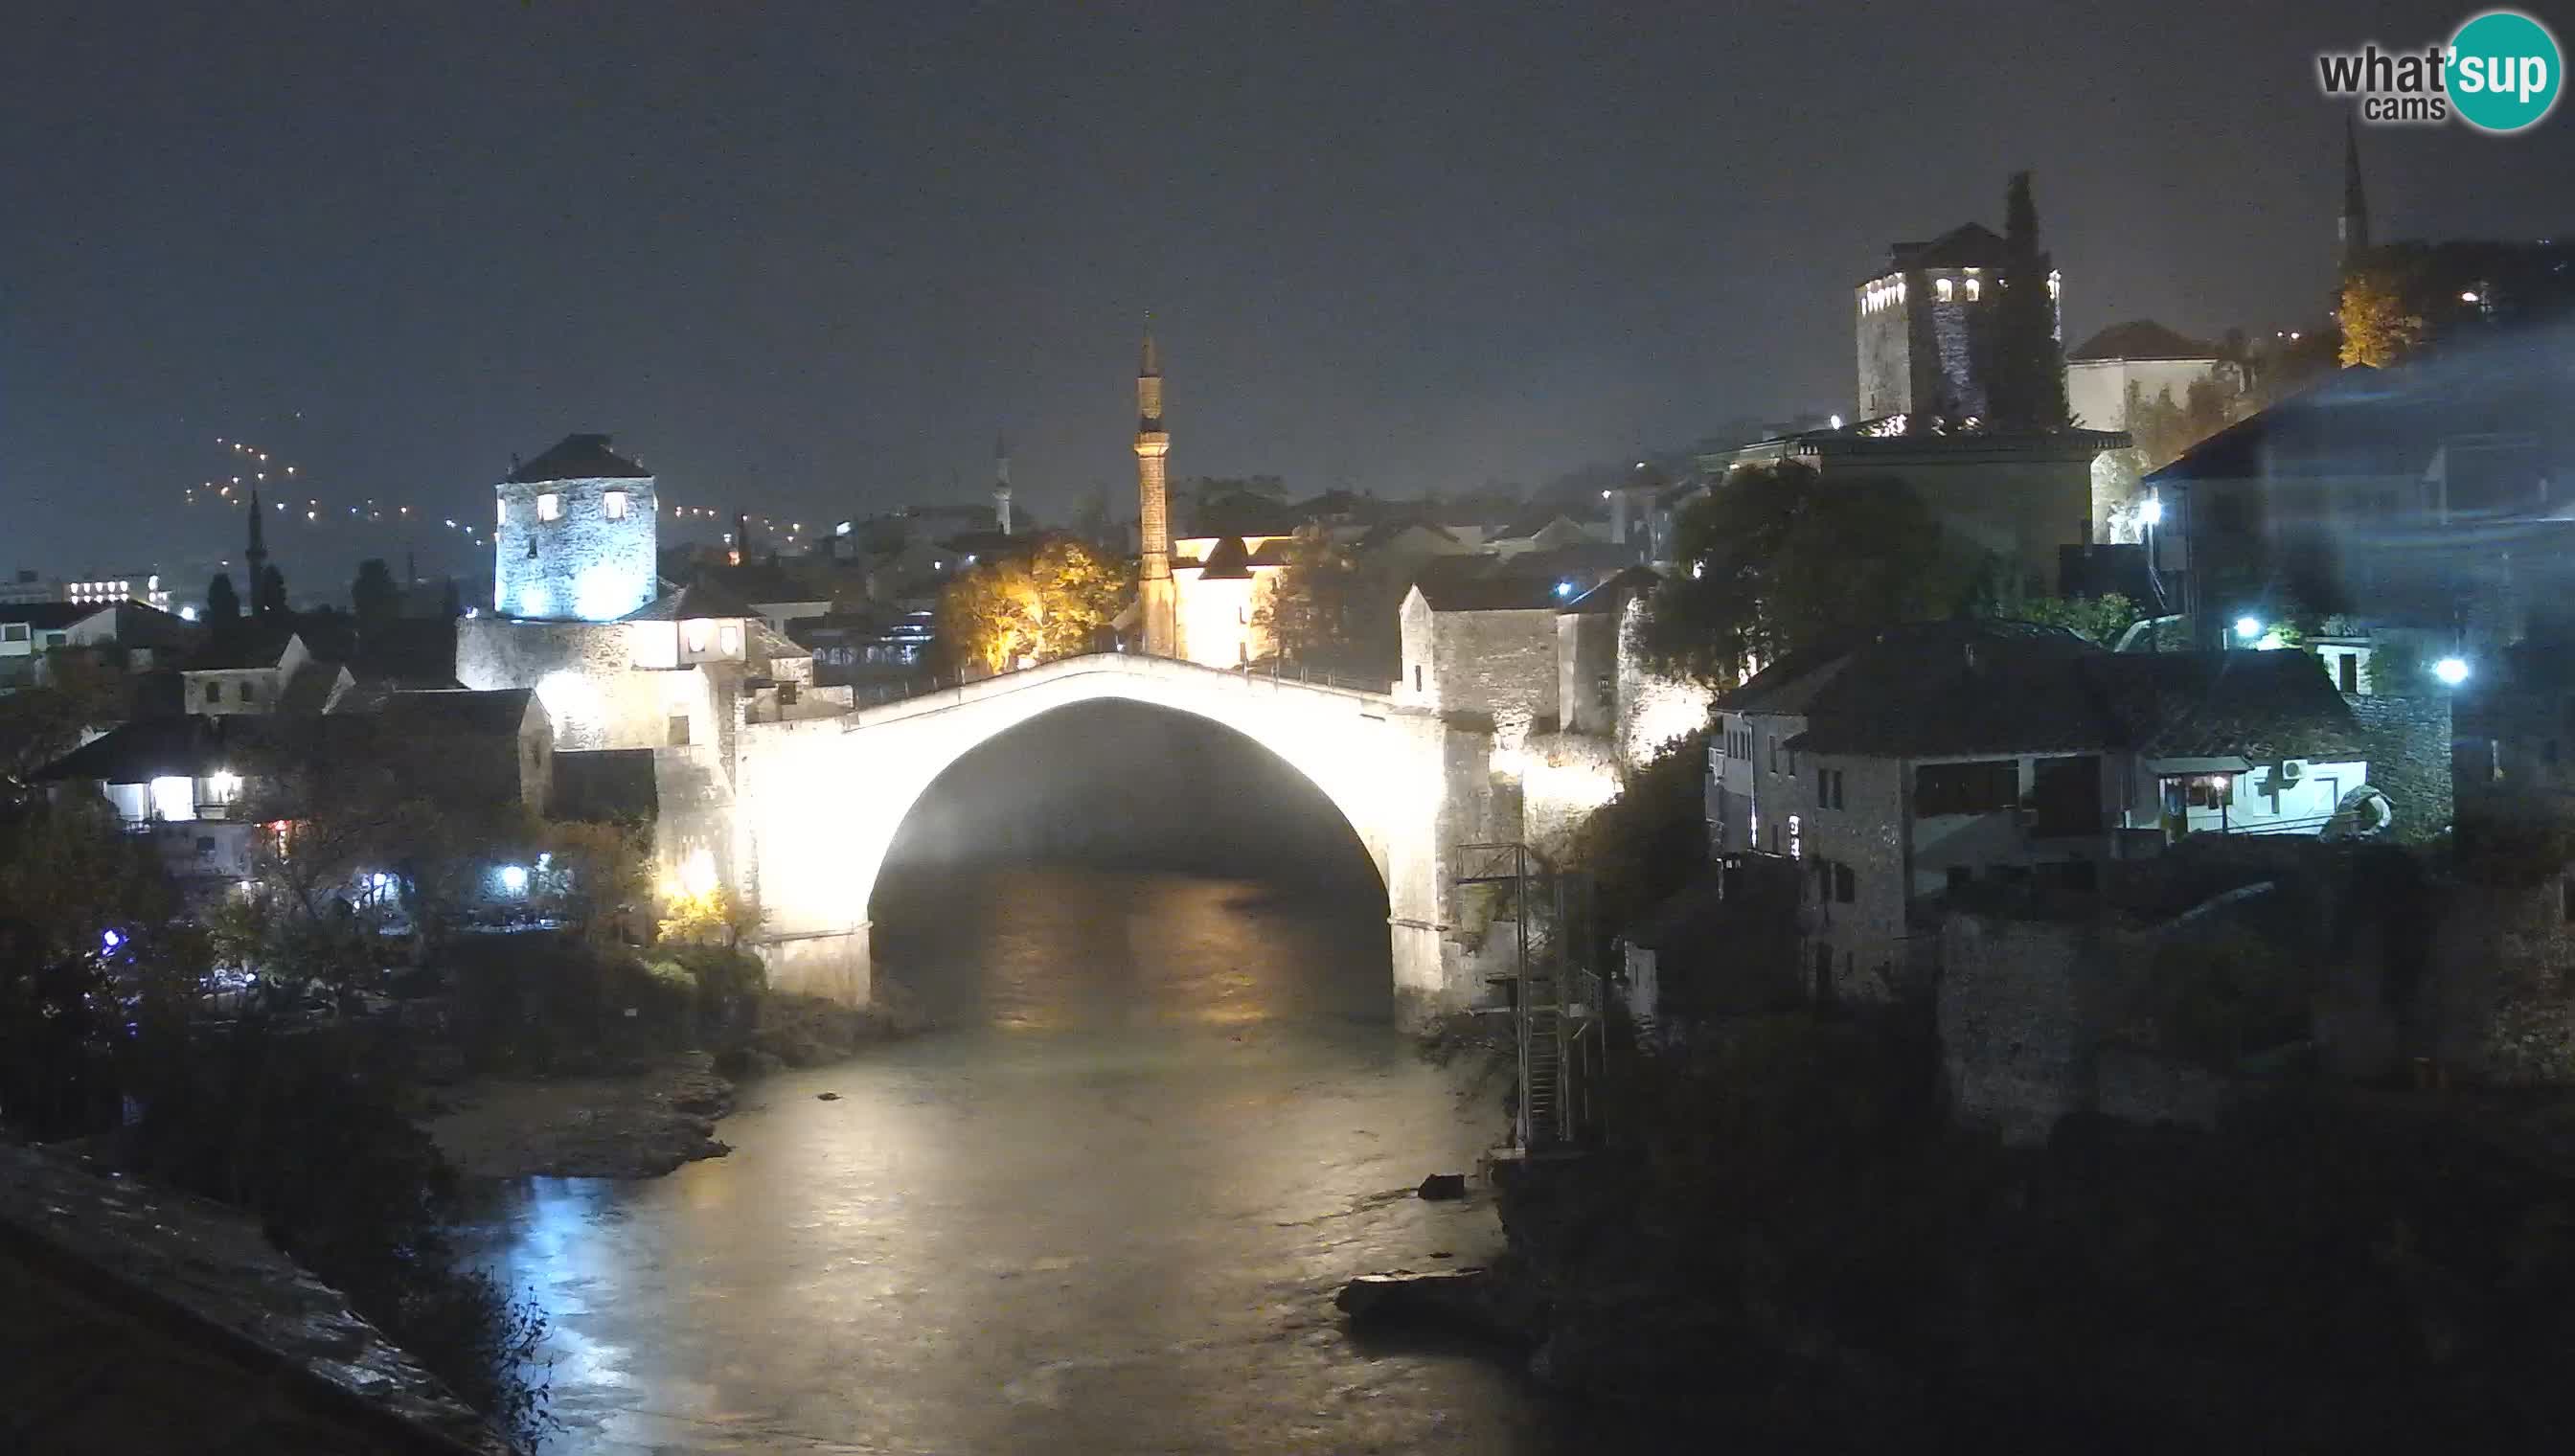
<point>809,258</point>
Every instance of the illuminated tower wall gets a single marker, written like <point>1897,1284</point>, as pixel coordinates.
<point>574,536</point>
<point>1158,597</point>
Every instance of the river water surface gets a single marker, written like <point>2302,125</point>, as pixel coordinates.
<point>1104,1208</point>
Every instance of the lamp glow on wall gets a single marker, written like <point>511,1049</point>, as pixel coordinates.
<point>2451,670</point>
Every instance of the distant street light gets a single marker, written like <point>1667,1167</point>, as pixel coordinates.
<point>2468,296</point>
<point>2248,627</point>
<point>2451,670</point>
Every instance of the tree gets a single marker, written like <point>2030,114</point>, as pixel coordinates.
<point>1304,614</point>
<point>373,598</point>
<point>2030,372</point>
<point>2379,326</point>
<point>1038,607</point>
<point>78,695</point>
<point>1778,559</point>
<point>596,874</point>
<point>709,915</point>
<point>223,603</point>
<point>2163,429</point>
<point>2097,618</point>
<point>268,593</point>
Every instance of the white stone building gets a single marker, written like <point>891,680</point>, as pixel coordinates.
<point>2140,354</point>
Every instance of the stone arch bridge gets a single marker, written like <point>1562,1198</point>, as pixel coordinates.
<point>818,801</point>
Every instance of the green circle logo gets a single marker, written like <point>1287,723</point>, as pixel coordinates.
<point>2504,71</point>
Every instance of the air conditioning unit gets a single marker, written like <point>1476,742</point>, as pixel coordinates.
<point>2288,771</point>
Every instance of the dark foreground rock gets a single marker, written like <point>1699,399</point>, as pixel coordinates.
<point>1479,1303</point>
<point>143,1320</point>
<point>636,1126</point>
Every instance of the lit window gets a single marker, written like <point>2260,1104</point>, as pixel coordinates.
<point>1944,289</point>
<point>696,633</point>
<point>613,505</point>
<point>550,507</point>
<point>1975,289</point>
<point>731,639</point>
<point>505,512</point>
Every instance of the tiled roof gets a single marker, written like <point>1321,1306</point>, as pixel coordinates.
<point>1227,561</point>
<point>1968,245</point>
<point>47,615</point>
<point>458,710</point>
<point>1959,687</point>
<point>246,644</point>
<point>690,602</point>
<point>579,458</point>
<point>2140,338</point>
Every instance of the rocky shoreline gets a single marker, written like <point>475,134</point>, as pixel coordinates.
<point>637,1125</point>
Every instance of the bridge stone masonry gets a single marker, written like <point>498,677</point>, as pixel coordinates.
<point>818,801</point>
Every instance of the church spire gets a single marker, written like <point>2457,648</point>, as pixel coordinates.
<point>1156,595</point>
<point>257,553</point>
<point>2353,230</point>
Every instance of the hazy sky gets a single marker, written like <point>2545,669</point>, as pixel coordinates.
<point>810,258</point>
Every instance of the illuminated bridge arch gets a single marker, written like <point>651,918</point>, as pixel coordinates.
<point>819,800</point>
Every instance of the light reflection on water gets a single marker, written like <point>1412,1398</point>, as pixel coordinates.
<point>1104,1211</point>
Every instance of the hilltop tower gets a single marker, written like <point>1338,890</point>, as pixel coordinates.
<point>1157,594</point>
<point>2352,230</point>
<point>1002,484</point>
<point>576,537</point>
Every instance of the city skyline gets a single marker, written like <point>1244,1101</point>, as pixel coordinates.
<point>809,265</point>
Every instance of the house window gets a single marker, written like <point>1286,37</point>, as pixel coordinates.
<point>2347,672</point>
<point>550,507</point>
<point>503,519</point>
<point>1965,788</point>
<point>1416,676</point>
<point>1774,756</point>
<point>214,693</point>
<point>1845,883</point>
<point>613,505</point>
<point>677,734</point>
<point>1975,289</point>
<point>696,633</point>
<point>1943,289</point>
<point>13,631</point>
<point>2209,791</point>
<point>1828,789</point>
<point>730,639</point>
<point>250,693</point>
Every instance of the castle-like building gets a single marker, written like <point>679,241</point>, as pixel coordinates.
<point>1929,329</point>
<point>624,663</point>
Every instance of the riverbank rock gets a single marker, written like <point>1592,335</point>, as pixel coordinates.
<point>639,1126</point>
<point>1475,1302</point>
<point>1441,1187</point>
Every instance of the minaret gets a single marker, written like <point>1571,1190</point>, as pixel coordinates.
<point>256,557</point>
<point>1001,484</point>
<point>1156,595</point>
<point>2353,230</point>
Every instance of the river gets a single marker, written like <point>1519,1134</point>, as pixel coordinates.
<point>1103,1209</point>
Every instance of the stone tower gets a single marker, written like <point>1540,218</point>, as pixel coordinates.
<point>2352,229</point>
<point>1002,484</point>
<point>1157,594</point>
<point>576,537</point>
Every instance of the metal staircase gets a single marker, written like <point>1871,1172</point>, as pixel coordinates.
<point>1552,999</point>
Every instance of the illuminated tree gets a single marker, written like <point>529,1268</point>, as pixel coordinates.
<point>2165,428</point>
<point>2379,326</point>
<point>1051,604</point>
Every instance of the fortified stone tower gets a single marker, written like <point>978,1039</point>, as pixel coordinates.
<point>576,537</point>
<point>1158,597</point>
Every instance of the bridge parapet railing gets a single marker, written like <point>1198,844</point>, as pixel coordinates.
<point>880,695</point>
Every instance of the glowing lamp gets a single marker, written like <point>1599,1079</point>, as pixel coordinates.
<point>2451,670</point>
<point>110,939</point>
<point>514,879</point>
<point>2152,513</point>
<point>2248,627</point>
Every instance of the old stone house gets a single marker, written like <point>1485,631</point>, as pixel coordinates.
<point>1925,759</point>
